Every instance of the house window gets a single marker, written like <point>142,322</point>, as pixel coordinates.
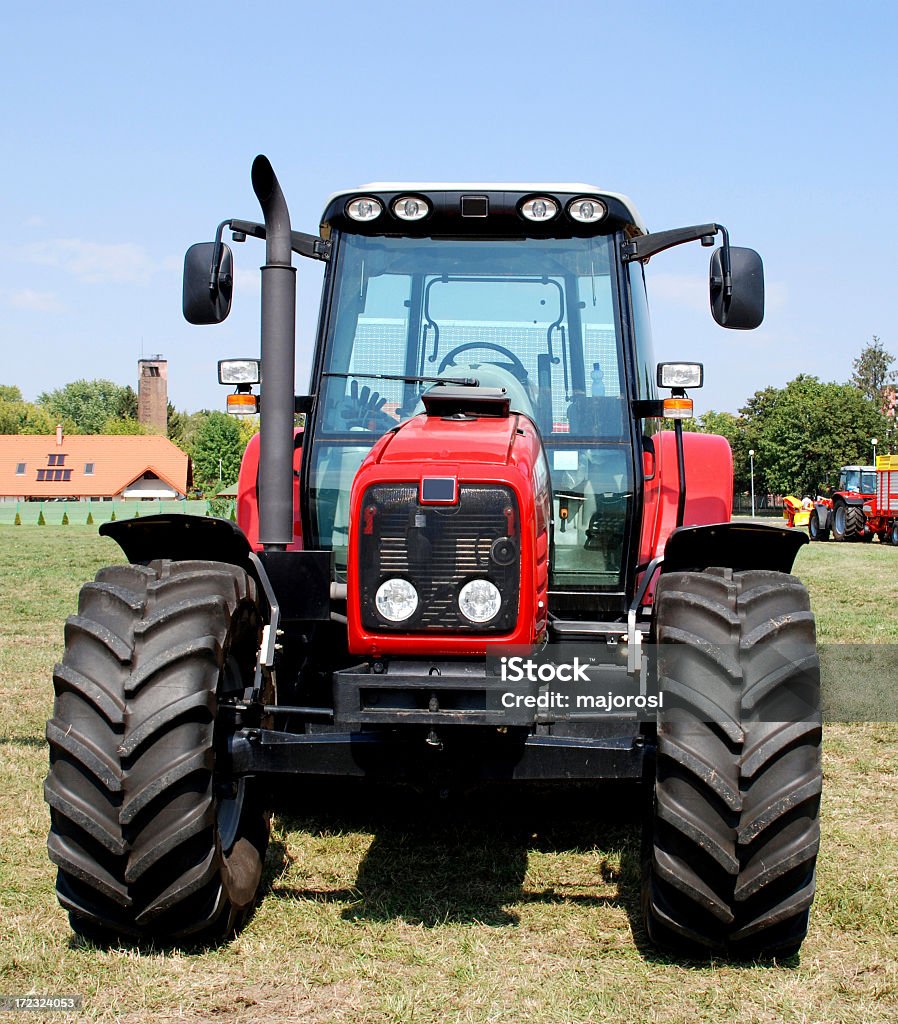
<point>55,460</point>
<point>20,469</point>
<point>88,469</point>
<point>41,475</point>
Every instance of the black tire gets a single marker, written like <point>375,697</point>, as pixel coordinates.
<point>815,531</point>
<point>893,535</point>
<point>735,831</point>
<point>151,843</point>
<point>848,521</point>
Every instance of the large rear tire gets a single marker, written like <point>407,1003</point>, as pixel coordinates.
<point>848,521</point>
<point>151,841</point>
<point>735,832</point>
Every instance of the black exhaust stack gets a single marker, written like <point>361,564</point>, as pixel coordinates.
<point>278,364</point>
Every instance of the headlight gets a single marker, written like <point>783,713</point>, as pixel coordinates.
<point>479,600</point>
<point>238,371</point>
<point>541,208</point>
<point>365,208</point>
<point>587,211</point>
<point>396,599</point>
<point>410,208</point>
<point>680,375</point>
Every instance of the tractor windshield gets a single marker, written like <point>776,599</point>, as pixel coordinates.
<point>857,480</point>
<point>534,316</point>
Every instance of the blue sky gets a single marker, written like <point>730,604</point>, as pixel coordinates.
<point>129,131</point>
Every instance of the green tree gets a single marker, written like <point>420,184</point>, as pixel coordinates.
<point>18,417</point>
<point>803,433</point>
<point>216,451</point>
<point>84,406</point>
<point>10,393</point>
<point>118,425</point>
<point>184,428</point>
<point>871,374</point>
<point>733,428</point>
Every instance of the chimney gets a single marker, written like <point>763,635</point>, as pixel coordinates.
<point>59,435</point>
<point>152,393</point>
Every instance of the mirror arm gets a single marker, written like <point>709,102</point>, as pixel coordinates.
<point>310,246</point>
<point>645,246</point>
<point>215,271</point>
<point>725,263</point>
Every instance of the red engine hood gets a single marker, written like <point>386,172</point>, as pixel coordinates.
<point>488,441</point>
<point>473,450</point>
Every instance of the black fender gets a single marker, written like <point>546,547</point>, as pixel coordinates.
<point>824,515</point>
<point>852,500</point>
<point>737,546</point>
<point>179,538</point>
<point>297,583</point>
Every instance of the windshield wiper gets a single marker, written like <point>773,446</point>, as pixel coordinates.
<point>467,382</point>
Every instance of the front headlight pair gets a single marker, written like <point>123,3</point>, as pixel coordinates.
<point>479,600</point>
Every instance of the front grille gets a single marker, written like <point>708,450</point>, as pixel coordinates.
<point>439,549</point>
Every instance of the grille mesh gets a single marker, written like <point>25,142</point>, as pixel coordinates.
<point>438,548</point>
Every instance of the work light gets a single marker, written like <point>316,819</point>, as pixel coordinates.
<point>364,208</point>
<point>410,208</point>
<point>540,208</point>
<point>587,211</point>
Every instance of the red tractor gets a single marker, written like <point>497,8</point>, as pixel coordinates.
<point>864,506</point>
<point>478,559</point>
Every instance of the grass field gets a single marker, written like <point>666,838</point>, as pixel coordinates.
<point>398,910</point>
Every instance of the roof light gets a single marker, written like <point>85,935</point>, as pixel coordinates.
<point>238,371</point>
<point>410,208</point>
<point>540,208</point>
<point>587,211</point>
<point>678,408</point>
<point>365,208</point>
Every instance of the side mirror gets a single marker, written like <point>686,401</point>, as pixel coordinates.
<point>208,283</point>
<point>743,309</point>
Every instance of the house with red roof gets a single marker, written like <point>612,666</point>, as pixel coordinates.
<point>81,466</point>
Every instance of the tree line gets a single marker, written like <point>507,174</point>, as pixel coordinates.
<point>214,441</point>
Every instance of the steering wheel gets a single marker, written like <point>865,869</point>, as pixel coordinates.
<point>517,367</point>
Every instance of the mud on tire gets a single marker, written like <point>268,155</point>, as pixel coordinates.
<point>151,844</point>
<point>731,858</point>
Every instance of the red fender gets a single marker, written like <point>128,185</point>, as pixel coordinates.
<point>248,493</point>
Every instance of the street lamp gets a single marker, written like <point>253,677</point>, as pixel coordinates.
<point>874,442</point>
<point>751,460</point>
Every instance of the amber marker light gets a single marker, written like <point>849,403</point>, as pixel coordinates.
<point>678,408</point>
<point>242,403</point>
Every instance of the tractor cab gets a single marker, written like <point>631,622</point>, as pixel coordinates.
<point>857,480</point>
<point>487,286</point>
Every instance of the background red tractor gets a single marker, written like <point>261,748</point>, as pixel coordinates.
<point>481,477</point>
<point>864,506</point>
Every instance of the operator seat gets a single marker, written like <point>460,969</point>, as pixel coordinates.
<point>607,494</point>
